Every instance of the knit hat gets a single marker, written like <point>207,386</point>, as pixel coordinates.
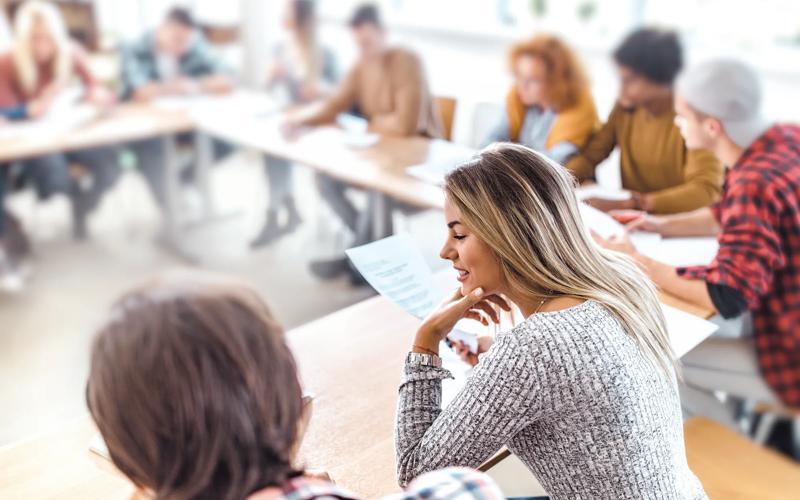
<point>729,91</point>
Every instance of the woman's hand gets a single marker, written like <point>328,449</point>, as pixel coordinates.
<point>485,342</point>
<point>473,306</point>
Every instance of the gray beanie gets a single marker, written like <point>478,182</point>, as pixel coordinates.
<point>729,91</point>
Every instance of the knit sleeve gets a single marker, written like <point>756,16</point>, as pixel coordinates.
<point>499,399</point>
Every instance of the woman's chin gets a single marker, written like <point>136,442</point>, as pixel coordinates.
<point>467,288</point>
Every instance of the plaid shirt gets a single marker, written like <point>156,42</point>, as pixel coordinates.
<point>139,63</point>
<point>759,251</point>
<point>452,484</point>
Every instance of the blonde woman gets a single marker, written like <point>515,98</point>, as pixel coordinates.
<point>583,390</point>
<point>305,70</point>
<point>41,64</point>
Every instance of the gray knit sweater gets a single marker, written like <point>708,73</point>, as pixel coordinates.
<point>569,393</point>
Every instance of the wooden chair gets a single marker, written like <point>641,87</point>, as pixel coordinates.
<point>446,108</point>
<point>731,467</point>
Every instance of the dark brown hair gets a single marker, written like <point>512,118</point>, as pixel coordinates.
<point>304,14</point>
<point>182,17</point>
<point>195,391</point>
<point>367,13</point>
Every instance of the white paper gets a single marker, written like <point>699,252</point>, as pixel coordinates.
<point>395,268</point>
<point>360,141</point>
<point>239,104</point>
<point>440,162</point>
<point>598,191</point>
<point>52,124</point>
<point>673,251</point>
<point>679,252</point>
<point>686,330</point>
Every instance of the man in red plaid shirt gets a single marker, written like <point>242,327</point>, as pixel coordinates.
<point>757,224</point>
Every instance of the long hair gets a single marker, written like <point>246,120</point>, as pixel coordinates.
<point>524,207</point>
<point>26,67</point>
<point>195,391</point>
<point>305,38</point>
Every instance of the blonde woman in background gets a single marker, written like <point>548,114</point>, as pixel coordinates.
<point>584,389</point>
<point>303,70</point>
<point>41,65</point>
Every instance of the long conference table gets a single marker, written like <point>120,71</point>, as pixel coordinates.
<point>350,360</point>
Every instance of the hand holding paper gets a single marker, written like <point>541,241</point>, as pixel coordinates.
<point>395,268</point>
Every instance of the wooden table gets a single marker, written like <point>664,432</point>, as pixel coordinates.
<point>732,467</point>
<point>350,360</point>
<point>125,123</point>
<point>380,167</point>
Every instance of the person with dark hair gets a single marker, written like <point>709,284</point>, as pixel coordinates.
<point>388,87</point>
<point>172,60</point>
<point>755,277</point>
<point>663,175</point>
<point>304,70</point>
<point>366,14</point>
<point>196,394</point>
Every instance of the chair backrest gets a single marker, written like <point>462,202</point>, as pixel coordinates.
<point>474,120</point>
<point>446,109</point>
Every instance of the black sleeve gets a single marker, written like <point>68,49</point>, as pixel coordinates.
<point>728,301</point>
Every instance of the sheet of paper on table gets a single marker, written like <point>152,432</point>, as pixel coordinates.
<point>606,193</point>
<point>238,104</point>
<point>442,158</point>
<point>52,124</point>
<point>672,251</point>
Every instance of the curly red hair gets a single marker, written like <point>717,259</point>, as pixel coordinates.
<point>566,79</point>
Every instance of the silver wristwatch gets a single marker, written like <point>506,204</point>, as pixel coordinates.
<point>419,358</point>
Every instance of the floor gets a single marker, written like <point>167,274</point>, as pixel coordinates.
<point>46,329</point>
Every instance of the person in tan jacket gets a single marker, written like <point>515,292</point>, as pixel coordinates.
<point>663,175</point>
<point>388,87</point>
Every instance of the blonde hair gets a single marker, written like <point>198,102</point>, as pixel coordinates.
<point>27,70</point>
<point>524,207</point>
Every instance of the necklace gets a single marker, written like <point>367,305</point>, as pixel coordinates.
<point>541,304</point>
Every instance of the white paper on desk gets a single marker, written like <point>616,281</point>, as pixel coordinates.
<point>238,104</point>
<point>395,268</point>
<point>678,252</point>
<point>673,251</point>
<point>686,330</point>
<point>598,191</point>
<point>54,123</point>
<point>360,141</point>
<point>441,159</point>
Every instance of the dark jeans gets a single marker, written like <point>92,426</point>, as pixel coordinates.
<point>151,156</point>
<point>50,174</point>
<point>334,192</point>
<point>279,177</point>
